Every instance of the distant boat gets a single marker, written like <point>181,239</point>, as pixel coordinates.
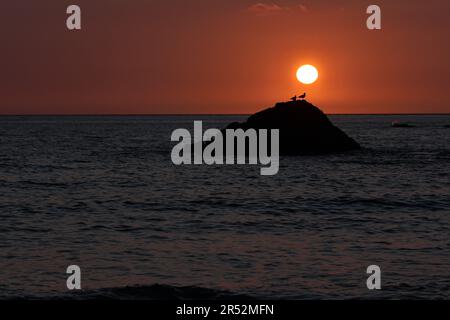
<point>398,124</point>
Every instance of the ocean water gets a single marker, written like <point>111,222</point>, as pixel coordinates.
<point>102,193</point>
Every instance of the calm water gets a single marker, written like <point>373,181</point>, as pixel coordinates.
<point>102,193</point>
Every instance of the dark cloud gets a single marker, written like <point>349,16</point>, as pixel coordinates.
<point>268,9</point>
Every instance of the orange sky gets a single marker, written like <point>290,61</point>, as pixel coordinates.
<point>222,56</point>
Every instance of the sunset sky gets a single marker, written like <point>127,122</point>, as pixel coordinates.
<point>222,56</point>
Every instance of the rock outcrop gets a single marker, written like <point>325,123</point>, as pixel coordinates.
<point>304,129</point>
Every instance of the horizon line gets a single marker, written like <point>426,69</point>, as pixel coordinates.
<point>201,114</point>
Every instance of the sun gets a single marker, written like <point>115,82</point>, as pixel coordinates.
<point>307,74</point>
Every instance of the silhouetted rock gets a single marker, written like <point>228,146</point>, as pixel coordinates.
<point>397,124</point>
<point>304,129</point>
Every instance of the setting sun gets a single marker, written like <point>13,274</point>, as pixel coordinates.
<point>307,74</point>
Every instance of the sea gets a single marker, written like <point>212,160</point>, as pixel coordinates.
<point>102,193</point>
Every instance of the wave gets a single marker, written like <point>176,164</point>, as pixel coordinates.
<point>152,292</point>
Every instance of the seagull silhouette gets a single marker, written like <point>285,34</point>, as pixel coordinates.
<point>303,96</point>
